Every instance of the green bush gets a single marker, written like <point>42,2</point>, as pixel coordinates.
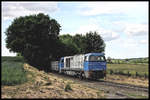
<point>68,87</point>
<point>120,72</point>
<point>111,71</point>
<point>129,74</point>
<point>145,75</point>
<point>136,74</point>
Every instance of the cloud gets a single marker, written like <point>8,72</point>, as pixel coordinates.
<point>144,41</point>
<point>131,29</point>
<point>129,43</point>
<point>107,35</point>
<point>15,9</point>
<point>97,8</point>
<point>136,29</point>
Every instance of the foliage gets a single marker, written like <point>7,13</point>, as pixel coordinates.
<point>79,44</point>
<point>94,43</point>
<point>70,46</point>
<point>109,60</point>
<point>68,87</point>
<point>19,54</point>
<point>34,37</point>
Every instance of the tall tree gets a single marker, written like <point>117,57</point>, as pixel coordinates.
<point>70,46</point>
<point>79,41</point>
<point>77,44</point>
<point>94,42</point>
<point>34,37</point>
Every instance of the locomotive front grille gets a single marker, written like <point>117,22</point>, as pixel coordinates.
<point>97,74</point>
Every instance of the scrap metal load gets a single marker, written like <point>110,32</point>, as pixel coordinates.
<point>55,65</point>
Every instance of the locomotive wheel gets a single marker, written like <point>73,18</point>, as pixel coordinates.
<point>82,76</point>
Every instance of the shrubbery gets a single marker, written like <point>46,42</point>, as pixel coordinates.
<point>68,87</point>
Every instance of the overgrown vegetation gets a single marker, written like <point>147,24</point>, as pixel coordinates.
<point>12,71</point>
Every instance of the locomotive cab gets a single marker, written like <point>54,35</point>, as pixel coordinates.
<point>95,65</point>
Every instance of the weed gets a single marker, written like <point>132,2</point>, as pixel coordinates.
<point>68,87</point>
<point>111,71</point>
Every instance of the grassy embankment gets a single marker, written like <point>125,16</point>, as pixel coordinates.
<point>39,84</point>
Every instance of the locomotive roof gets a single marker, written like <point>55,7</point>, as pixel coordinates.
<point>96,54</point>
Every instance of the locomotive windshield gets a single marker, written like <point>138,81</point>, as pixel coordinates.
<point>97,58</point>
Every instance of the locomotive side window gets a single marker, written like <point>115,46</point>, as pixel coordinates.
<point>62,60</point>
<point>68,62</point>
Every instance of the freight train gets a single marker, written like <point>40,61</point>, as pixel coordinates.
<point>90,65</point>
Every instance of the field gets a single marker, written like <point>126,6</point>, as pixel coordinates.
<point>13,59</point>
<point>135,70</point>
<point>12,71</point>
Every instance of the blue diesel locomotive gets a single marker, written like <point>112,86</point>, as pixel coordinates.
<point>90,65</point>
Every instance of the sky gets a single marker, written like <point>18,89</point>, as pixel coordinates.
<point>122,25</point>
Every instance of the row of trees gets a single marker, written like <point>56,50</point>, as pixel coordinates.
<point>81,44</point>
<point>37,39</point>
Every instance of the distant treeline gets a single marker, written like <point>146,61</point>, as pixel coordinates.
<point>128,61</point>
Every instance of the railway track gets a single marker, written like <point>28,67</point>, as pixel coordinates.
<point>107,83</point>
<point>125,86</point>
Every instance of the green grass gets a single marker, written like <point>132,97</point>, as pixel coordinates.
<point>14,59</point>
<point>12,71</point>
<point>132,69</point>
<point>137,96</point>
<point>68,87</point>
